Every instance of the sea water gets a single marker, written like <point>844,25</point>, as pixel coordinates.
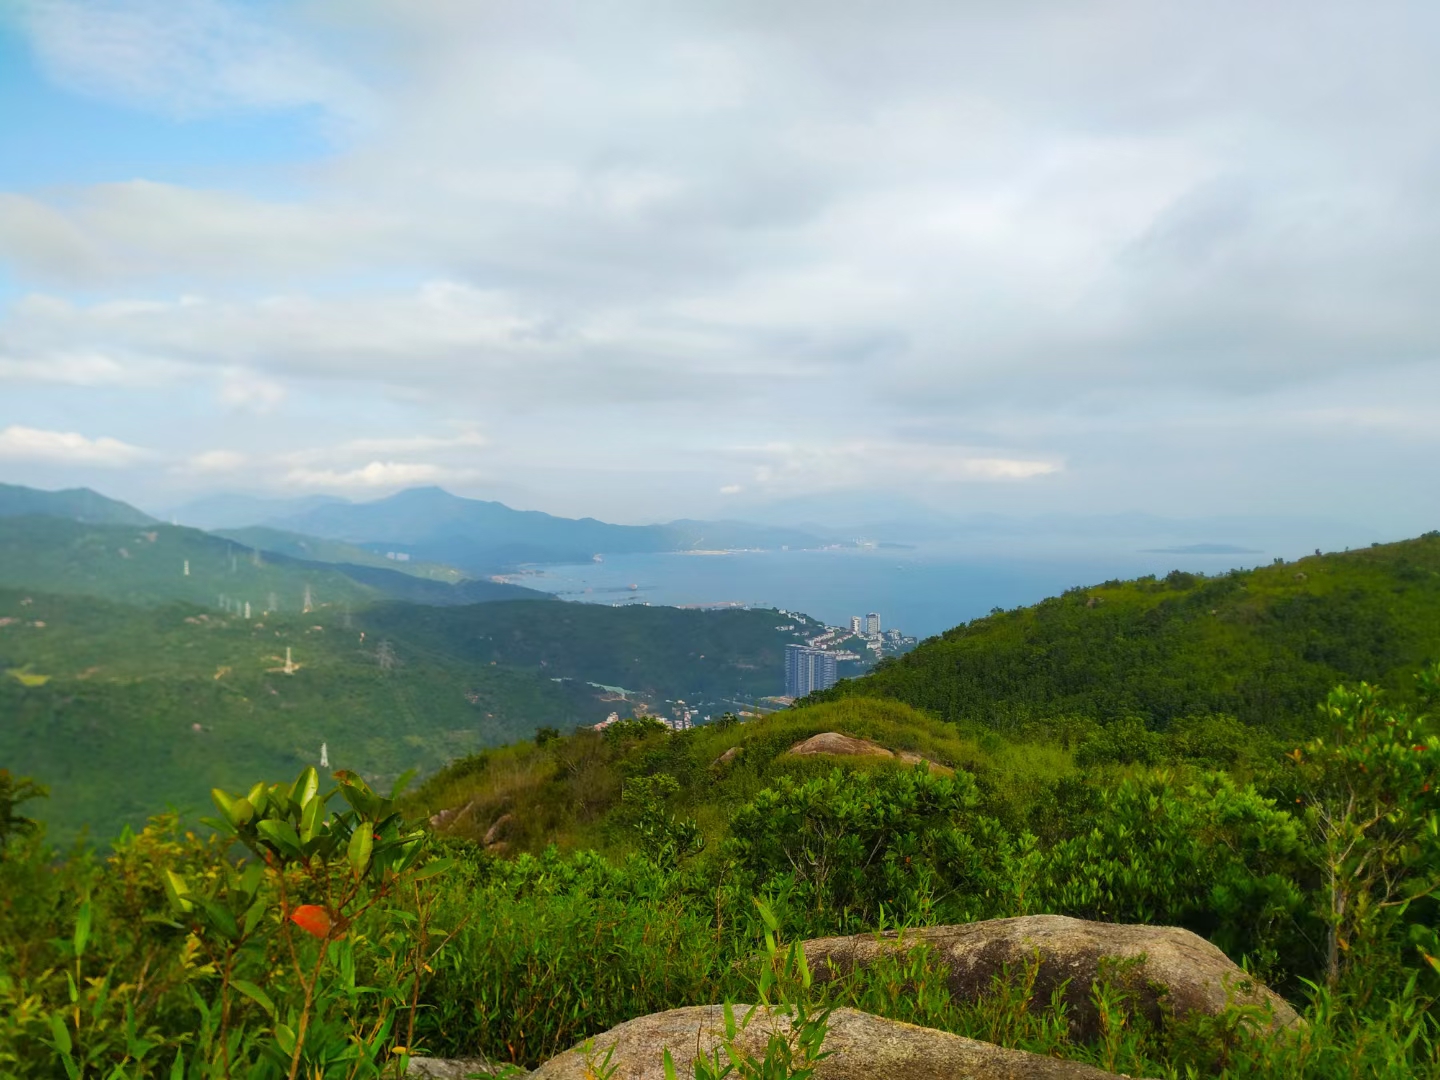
<point>920,591</point>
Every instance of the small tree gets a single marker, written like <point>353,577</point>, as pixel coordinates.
<point>1372,807</point>
<point>13,792</point>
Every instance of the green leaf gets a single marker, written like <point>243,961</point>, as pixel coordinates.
<point>255,994</point>
<point>306,785</point>
<point>177,1067</point>
<point>433,867</point>
<point>224,803</point>
<point>82,928</point>
<point>286,1038</point>
<point>253,915</point>
<point>241,812</point>
<point>251,878</point>
<point>357,794</point>
<point>282,835</point>
<point>669,1064</point>
<point>256,798</point>
<point>175,890</point>
<point>221,918</point>
<point>771,923</point>
<point>361,843</point>
<point>310,819</point>
<point>61,1034</point>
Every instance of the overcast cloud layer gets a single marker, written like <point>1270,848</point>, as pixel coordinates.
<point>647,260</point>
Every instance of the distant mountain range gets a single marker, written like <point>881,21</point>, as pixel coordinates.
<point>77,504</point>
<point>482,537</point>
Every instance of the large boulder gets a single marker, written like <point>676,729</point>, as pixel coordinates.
<point>1169,970</point>
<point>832,742</point>
<point>865,1048</point>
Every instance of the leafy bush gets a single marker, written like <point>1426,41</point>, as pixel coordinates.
<point>848,846</point>
<point>304,959</point>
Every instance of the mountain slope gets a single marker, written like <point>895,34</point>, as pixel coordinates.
<point>663,653</point>
<point>76,504</point>
<point>230,511</point>
<point>123,709</point>
<point>481,537</point>
<point>1263,645</point>
<point>317,549</point>
<point>101,699</point>
<point>416,582</point>
<point>166,563</point>
<point>163,563</point>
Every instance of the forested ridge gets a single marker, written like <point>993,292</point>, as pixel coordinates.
<point>1261,645</point>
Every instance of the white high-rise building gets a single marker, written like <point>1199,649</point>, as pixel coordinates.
<point>808,670</point>
<point>854,624</point>
<point>872,623</point>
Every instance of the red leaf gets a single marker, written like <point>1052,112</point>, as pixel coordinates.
<point>313,919</point>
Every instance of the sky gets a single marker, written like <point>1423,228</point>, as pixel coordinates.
<point>645,260</point>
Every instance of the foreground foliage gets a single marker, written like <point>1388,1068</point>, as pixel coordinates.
<point>337,946</point>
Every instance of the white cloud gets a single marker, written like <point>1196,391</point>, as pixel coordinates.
<point>791,468</point>
<point>216,461</point>
<point>250,392</point>
<point>69,368</point>
<point>66,448</point>
<point>995,243</point>
<point>410,444</point>
<point>731,489</point>
<point>377,474</point>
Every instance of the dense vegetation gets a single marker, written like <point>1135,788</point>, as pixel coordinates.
<point>86,682</point>
<point>1119,754</point>
<point>1316,870</point>
<point>160,563</point>
<point>670,652</point>
<point>1261,645</point>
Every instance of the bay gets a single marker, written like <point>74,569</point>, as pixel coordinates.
<point>921,591</point>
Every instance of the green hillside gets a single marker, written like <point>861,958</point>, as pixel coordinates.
<point>148,565</point>
<point>77,504</point>
<point>663,652</point>
<point>1261,645</point>
<point>101,699</point>
<point>568,791</point>
<point>317,549</point>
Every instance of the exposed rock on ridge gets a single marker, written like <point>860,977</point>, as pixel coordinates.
<point>832,742</point>
<point>1172,965</point>
<point>865,1048</point>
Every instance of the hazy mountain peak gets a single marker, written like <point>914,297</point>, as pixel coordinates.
<point>76,504</point>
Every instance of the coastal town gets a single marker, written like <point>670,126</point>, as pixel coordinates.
<point>822,657</point>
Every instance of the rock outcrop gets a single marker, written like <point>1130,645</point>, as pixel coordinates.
<point>832,742</point>
<point>428,1068</point>
<point>864,1047</point>
<point>499,829</point>
<point>446,818</point>
<point>1165,964</point>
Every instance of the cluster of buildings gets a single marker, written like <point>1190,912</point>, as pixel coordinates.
<point>815,665</point>
<point>682,720</point>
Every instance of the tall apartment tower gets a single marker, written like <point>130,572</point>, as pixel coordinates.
<point>808,670</point>
<point>854,624</point>
<point>872,623</point>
